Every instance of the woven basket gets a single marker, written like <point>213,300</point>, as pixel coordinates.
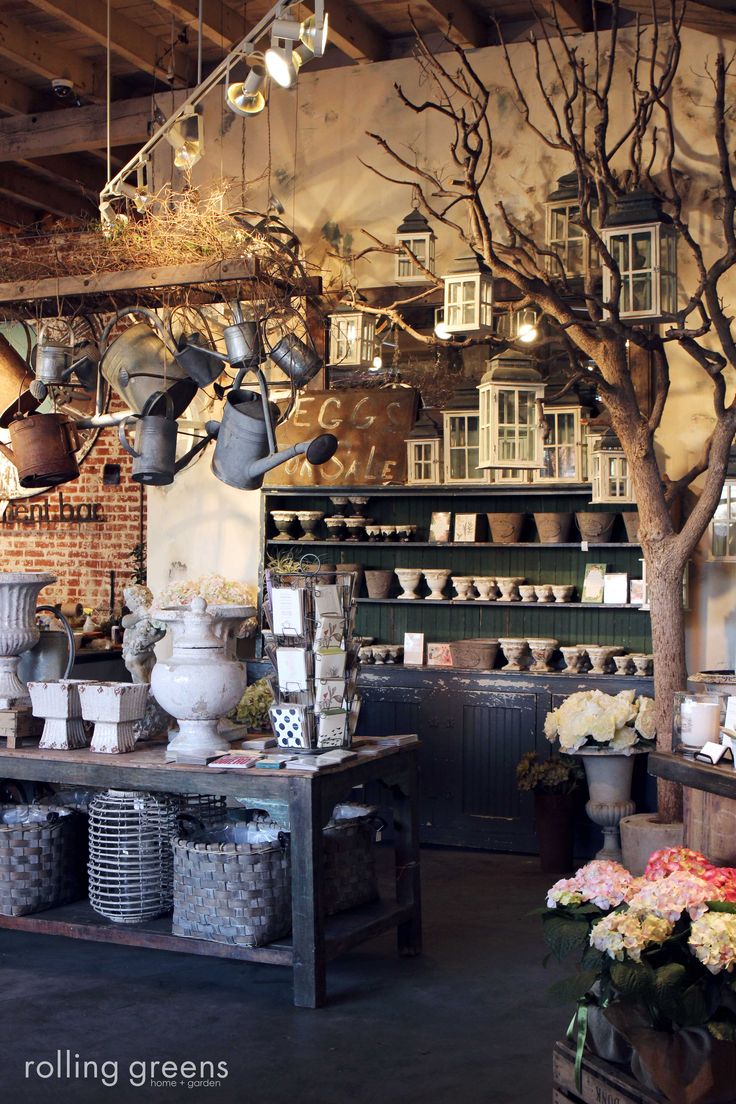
<point>236,893</point>
<point>38,869</point>
<point>210,811</point>
<point>349,863</point>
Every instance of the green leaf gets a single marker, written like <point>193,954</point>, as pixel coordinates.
<point>593,959</point>
<point>669,978</point>
<point>693,1007</point>
<point>563,936</point>
<point>632,979</point>
<point>721,906</point>
<point>568,990</point>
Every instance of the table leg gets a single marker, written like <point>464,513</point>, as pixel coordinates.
<point>307,899</point>
<point>408,879</point>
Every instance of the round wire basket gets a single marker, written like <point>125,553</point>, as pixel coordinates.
<point>210,810</point>
<point>130,856</point>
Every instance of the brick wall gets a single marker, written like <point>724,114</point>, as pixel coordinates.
<point>81,554</point>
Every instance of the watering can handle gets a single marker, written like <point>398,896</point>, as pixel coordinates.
<point>69,636</point>
<point>72,436</point>
<point>64,322</point>
<point>123,436</point>
<point>153,399</point>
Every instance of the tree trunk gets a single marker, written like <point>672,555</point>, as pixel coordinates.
<point>664,591</point>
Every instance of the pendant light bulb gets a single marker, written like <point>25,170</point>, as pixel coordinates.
<point>246,97</point>
<point>440,329</point>
<point>186,136</point>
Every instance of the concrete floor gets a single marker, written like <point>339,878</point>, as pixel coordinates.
<point>468,1021</point>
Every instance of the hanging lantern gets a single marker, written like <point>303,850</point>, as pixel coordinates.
<point>468,297</point>
<point>352,338</point>
<point>510,417</point>
<point>643,242</point>
<point>564,446</point>
<point>461,422</point>
<point>723,525</point>
<point>417,235</point>
<point>563,232</point>
<point>610,475</point>
<point>423,452</point>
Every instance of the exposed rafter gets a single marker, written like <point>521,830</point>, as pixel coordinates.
<point>42,55</point>
<point>15,214</point>
<point>17,98</point>
<point>82,128</point>
<point>32,192</point>
<point>572,15</point>
<point>353,35</point>
<point>127,39</point>
<point>465,25</point>
<point>220,24</point>
<point>71,171</point>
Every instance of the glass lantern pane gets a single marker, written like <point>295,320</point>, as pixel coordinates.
<point>506,408</point>
<point>566,428</point>
<point>558,224</point>
<point>473,458</point>
<point>458,468</point>
<point>575,256</point>
<point>642,292</point>
<point>548,463</point>
<point>620,251</point>
<point>473,430</point>
<point>566,462</point>
<point>458,429</point>
<point>641,250</point>
<point>405,266</point>
<point>525,445</point>
<point>625,300</point>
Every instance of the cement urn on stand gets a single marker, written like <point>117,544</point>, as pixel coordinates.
<point>18,631</point>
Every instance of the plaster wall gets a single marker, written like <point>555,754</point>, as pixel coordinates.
<point>307,150</point>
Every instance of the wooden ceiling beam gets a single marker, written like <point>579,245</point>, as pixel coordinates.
<point>69,170</point>
<point>15,214</point>
<point>220,24</point>
<point>128,40</point>
<point>42,55</point>
<point>17,98</point>
<point>572,15</point>
<point>465,25</point>
<point>353,35</point>
<point>76,129</point>
<point>704,15</point>
<point>23,188</point>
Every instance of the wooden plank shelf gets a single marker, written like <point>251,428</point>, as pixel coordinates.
<point>484,490</point>
<point>439,545</point>
<point>481,604</point>
<point>719,780</point>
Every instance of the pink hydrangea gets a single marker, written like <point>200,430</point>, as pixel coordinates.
<point>601,882</point>
<point>675,894</point>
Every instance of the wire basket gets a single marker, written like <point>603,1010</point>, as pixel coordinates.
<point>130,859</point>
<point>210,811</point>
<point>36,859</point>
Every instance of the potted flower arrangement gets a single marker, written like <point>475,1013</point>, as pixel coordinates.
<point>252,709</point>
<point>554,782</point>
<point>606,730</point>
<point>655,979</point>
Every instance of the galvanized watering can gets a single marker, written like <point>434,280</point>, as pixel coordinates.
<point>246,443</point>
<point>143,361</point>
<point>55,364</point>
<point>43,449</point>
<point>243,345</point>
<point>54,655</point>
<point>154,453</point>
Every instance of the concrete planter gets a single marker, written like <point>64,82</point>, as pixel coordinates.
<point>641,835</point>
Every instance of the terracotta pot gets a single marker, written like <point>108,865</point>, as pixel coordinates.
<point>357,570</point>
<point>631,524</point>
<point>553,528</point>
<point>475,654</point>
<point>596,525</point>
<point>505,528</point>
<point>378,583</point>
<point>554,815</point>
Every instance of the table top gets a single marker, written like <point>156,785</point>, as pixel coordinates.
<point>698,776</point>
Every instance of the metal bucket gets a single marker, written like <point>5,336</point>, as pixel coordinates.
<point>43,449</point>
<point>137,365</point>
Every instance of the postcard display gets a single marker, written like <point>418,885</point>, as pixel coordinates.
<point>315,660</point>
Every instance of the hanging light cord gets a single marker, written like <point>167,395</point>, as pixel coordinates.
<point>108,96</point>
<point>200,21</point>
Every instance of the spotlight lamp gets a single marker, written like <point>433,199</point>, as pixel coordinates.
<point>186,136</point>
<point>247,97</point>
<point>282,60</point>
<point>313,34</point>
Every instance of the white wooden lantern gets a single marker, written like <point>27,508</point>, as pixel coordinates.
<point>643,242</point>
<point>510,416</point>
<point>417,235</point>
<point>423,452</point>
<point>352,338</point>
<point>610,476</point>
<point>723,524</point>
<point>468,297</point>
<point>461,423</point>
<point>563,232</point>
<point>563,452</point>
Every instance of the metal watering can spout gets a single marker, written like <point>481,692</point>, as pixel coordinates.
<point>317,451</point>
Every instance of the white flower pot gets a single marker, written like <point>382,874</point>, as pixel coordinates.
<point>609,775</point>
<point>202,680</point>
<point>18,597</point>
<point>60,706</point>
<point>113,706</point>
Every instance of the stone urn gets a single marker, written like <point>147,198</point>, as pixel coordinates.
<point>553,528</point>
<point>409,579</point>
<point>544,592</point>
<point>514,648</point>
<point>609,775</point>
<point>563,592</point>
<point>505,528</point>
<point>623,664</point>
<point>573,657</point>
<point>596,526</point>
<point>463,585</point>
<point>59,705</point>
<point>600,656</point>
<point>202,680</point>
<point>283,519</point>
<point>509,587</point>
<point>309,520</point>
<point>18,631</point>
<point>486,587</point>
<point>527,592</point>
<point>378,582</point>
<point>436,579</point>
<point>542,650</point>
<point>113,707</point>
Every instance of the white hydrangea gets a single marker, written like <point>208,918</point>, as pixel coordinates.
<point>595,718</point>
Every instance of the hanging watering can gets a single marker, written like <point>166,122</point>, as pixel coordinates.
<point>154,454</point>
<point>43,448</point>
<point>295,359</point>
<point>243,347</point>
<point>55,364</point>
<point>142,361</point>
<point>15,375</point>
<point>246,449</point>
<point>54,655</point>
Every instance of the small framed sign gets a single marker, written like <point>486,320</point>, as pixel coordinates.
<point>616,589</point>
<point>594,582</point>
<point>466,528</point>
<point>438,655</point>
<point>413,649</point>
<point>636,592</point>
<point>439,527</point>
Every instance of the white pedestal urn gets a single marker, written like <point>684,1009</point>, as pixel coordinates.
<point>202,680</point>
<point>113,707</point>
<point>59,704</point>
<point>18,597</point>
<point>609,775</point>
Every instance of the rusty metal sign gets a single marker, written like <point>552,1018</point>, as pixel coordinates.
<point>371,426</point>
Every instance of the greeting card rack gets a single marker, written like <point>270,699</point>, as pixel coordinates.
<point>309,641</point>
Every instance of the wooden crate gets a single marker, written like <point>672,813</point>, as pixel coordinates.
<point>602,1082</point>
<point>19,727</point>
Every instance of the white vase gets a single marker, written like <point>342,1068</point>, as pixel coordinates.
<point>409,578</point>
<point>202,680</point>
<point>114,707</point>
<point>609,775</point>
<point>18,632</point>
<point>59,704</point>
<point>436,581</point>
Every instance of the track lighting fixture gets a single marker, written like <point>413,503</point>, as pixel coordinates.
<point>186,136</point>
<point>282,60</point>
<point>247,97</point>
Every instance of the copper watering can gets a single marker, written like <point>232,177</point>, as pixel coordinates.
<point>43,448</point>
<point>141,361</point>
<point>154,453</point>
<point>15,374</point>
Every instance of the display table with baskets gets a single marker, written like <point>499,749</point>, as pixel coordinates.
<point>310,797</point>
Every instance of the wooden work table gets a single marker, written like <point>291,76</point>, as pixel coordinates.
<point>310,797</point>
<point>709,803</point>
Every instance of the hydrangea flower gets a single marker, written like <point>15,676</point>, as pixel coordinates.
<point>629,933</point>
<point>601,882</point>
<point>713,941</point>
<point>671,859</point>
<point>675,894</point>
<point>593,717</point>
